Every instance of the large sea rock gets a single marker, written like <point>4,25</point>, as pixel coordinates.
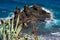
<point>30,15</point>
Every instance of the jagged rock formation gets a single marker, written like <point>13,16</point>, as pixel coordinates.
<point>31,14</point>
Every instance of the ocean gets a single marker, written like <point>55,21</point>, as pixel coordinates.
<point>7,8</point>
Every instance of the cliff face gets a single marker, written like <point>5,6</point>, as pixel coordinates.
<point>31,14</point>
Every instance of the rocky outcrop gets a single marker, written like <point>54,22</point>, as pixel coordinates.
<point>31,14</point>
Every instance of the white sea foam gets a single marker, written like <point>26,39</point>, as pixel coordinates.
<point>46,10</point>
<point>52,17</point>
<point>57,22</point>
<point>31,6</point>
<point>9,17</point>
<point>56,33</point>
<point>22,9</point>
<point>0,22</point>
<point>50,22</point>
